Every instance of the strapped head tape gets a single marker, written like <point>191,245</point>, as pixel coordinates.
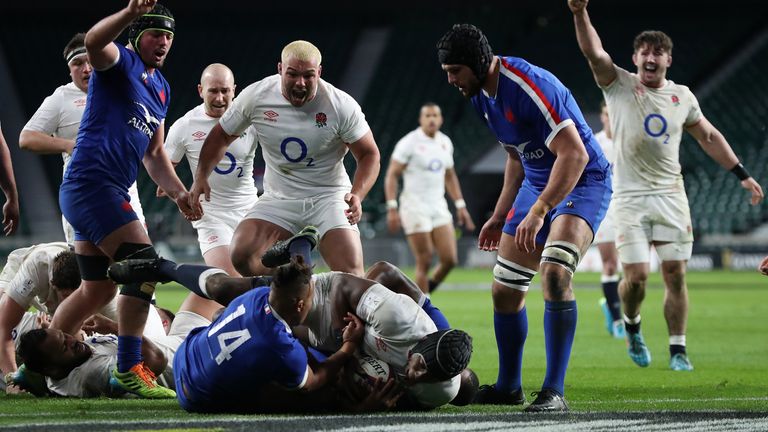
<point>446,353</point>
<point>159,18</point>
<point>466,45</point>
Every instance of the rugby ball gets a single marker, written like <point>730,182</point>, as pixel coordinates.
<point>368,369</point>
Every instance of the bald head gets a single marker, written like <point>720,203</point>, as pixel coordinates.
<point>216,88</point>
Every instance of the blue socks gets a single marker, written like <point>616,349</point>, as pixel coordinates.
<point>187,275</point>
<point>559,330</point>
<point>437,316</point>
<point>611,292</point>
<point>128,352</point>
<point>301,246</point>
<point>511,331</point>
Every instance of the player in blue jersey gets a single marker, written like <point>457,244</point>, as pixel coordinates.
<point>121,128</point>
<point>557,185</point>
<point>220,368</point>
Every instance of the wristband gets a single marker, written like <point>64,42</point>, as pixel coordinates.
<point>740,172</point>
<point>460,204</point>
<point>391,204</point>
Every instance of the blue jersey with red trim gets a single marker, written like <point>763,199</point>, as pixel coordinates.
<point>125,106</point>
<point>530,107</point>
<point>248,346</point>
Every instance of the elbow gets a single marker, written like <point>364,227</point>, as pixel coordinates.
<point>25,141</point>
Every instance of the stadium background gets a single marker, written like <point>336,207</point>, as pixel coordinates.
<point>383,54</point>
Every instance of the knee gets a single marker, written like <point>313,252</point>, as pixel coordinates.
<point>674,276</point>
<point>635,281</point>
<point>240,260</point>
<point>449,262</point>
<point>556,282</point>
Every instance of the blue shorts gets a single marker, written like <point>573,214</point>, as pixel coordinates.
<point>589,200</point>
<point>94,210</point>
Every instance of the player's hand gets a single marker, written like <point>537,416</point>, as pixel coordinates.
<point>577,6</point>
<point>190,212</point>
<point>525,235</point>
<point>199,187</point>
<point>763,268</point>
<point>99,324</point>
<point>490,234</point>
<point>43,320</point>
<point>355,209</point>
<point>354,330</point>
<point>393,221</point>
<point>754,188</point>
<point>383,396</point>
<point>10,217</point>
<point>464,219</point>
<point>141,7</point>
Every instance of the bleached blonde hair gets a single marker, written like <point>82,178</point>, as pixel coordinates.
<point>301,50</point>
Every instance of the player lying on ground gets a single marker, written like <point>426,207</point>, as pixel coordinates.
<point>394,322</point>
<point>81,367</point>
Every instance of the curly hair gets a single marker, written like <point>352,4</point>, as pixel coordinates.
<point>29,350</point>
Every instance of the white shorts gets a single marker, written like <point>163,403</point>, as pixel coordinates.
<point>183,323</point>
<point>217,226</point>
<point>607,231</point>
<point>641,220</point>
<point>326,212</point>
<point>424,217</point>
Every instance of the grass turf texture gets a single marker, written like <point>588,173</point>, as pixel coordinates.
<point>727,344</point>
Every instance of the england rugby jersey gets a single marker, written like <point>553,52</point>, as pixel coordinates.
<point>426,159</point>
<point>26,277</point>
<point>232,180</point>
<point>530,107</point>
<point>248,346</point>
<point>59,115</point>
<point>647,125</point>
<point>126,104</point>
<point>91,378</point>
<point>609,149</point>
<point>303,147</point>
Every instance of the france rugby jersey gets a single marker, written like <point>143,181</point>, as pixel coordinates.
<point>125,106</point>
<point>245,348</point>
<point>531,106</point>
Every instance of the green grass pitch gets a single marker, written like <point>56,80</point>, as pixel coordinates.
<point>727,343</point>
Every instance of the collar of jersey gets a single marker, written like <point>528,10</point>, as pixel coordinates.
<point>279,318</point>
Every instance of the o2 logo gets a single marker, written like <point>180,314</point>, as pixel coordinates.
<point>289,148</point>
<point>656,126</point>
<point>232,166</point>
<point>435,165</point>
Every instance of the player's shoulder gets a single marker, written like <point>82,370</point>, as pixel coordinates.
<point>337,97</point>
<point>528,75</point>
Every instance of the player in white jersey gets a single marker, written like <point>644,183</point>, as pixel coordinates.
<point>305,126</point>
<point>424,158</point>
<point>605,238</point>
<point>10,210</point>
<point>53,128</point>
<point>39,276</point>
<point>648,116</point>
<point>232,190</point>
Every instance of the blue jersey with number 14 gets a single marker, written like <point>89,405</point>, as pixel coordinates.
<point>246,347</point>
<point>530,107</point>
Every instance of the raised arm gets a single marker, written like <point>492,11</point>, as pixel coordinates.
<point>591,46</point>
<point>368,160</point>
<point>102,52</point>
<point>716,146</point>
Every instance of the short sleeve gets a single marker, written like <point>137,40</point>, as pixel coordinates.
<point>694,114</point>
<point>46,118</point>
<point>174,142</point>
<point>403,150</point>
<point>543,104</point>
<point>352,124</point>
<point>294,366</point>
<point>30,277</point>
<point>237,118</point>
